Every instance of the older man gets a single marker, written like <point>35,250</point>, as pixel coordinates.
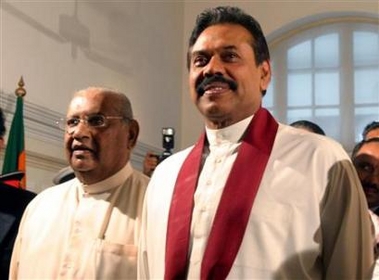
<point>253,199</point>
<point>88,227</point>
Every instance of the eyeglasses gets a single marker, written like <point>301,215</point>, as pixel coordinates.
<point>92,121</point>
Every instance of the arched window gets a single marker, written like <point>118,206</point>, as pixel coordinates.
<point>327,71</point>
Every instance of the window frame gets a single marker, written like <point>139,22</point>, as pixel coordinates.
<point>309,29</point>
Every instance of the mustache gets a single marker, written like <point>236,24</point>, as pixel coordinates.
<point>200,88</point>
<point>81,147</point>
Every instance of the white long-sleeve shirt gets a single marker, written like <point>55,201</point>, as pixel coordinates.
<point>75,231</point>
<point>309,219</point>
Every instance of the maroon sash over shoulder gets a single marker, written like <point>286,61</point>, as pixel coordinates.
<point>234,208</point>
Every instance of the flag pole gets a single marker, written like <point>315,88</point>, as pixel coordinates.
<point>20,91</point>
<point>14,159</point>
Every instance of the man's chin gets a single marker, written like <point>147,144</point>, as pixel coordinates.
<point>82,165</point>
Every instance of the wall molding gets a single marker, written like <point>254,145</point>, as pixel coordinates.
<point>39,121</point>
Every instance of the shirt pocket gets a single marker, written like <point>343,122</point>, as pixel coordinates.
<point>115,261</point>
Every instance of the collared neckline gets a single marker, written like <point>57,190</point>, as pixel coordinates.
<point>110,183</point>
<point>230,134</point>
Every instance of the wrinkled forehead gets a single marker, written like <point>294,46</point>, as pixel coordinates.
<point>90,102</point>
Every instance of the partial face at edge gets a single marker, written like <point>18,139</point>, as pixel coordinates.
<point>366,163</point>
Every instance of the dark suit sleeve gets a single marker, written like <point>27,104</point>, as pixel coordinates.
<point>13,202</point>
<point>347,232</point>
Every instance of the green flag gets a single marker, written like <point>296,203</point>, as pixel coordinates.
<point>14,159</point>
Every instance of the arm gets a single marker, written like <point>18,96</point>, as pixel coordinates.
<point>347,233</point>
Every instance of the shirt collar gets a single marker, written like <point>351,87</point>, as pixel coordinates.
<point>114,181</point>
<point>230,134</point>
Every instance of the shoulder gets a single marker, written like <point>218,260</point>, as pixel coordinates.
<point>50,203</point>
<point>175,159</point>
<point>164,176</point>
<point>303,143</point>
<point>139,179</point>
<point>308,154</point>
<point>53,195</point>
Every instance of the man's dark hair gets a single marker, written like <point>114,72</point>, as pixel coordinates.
<point>309,126</point>
<point>2,123</point>
<point>371,126</point>
<point>359,145</point>
<point>231,15</point>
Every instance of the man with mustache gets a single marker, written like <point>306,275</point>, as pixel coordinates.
<point>88,227</point>
<point>252,199</point>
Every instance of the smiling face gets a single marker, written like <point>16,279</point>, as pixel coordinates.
<point>225,83</point>
<point>97,153</point>
<point>366,163</point>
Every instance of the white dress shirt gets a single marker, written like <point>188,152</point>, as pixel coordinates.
<point>309,219</point>
<point>76,231</point>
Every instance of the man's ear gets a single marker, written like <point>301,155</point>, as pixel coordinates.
<point>133,133</point>
<point>265,75</point>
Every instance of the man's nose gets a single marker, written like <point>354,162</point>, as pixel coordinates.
<point>215,66</point>
<point>79,130</point>
<point>372,178</point>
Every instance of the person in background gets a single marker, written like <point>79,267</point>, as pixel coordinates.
<point>253,198</point>
<point>87,227</point>
<point>371,130</point>
<point>308,126</point>
<point>150,162</point>
<point>365,157</point>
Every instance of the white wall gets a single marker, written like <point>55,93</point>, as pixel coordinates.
<point>138,47</point>
<point>273,16</point>
<point>62,46</point>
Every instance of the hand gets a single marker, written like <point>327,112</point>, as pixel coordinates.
<point>149,163</point>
